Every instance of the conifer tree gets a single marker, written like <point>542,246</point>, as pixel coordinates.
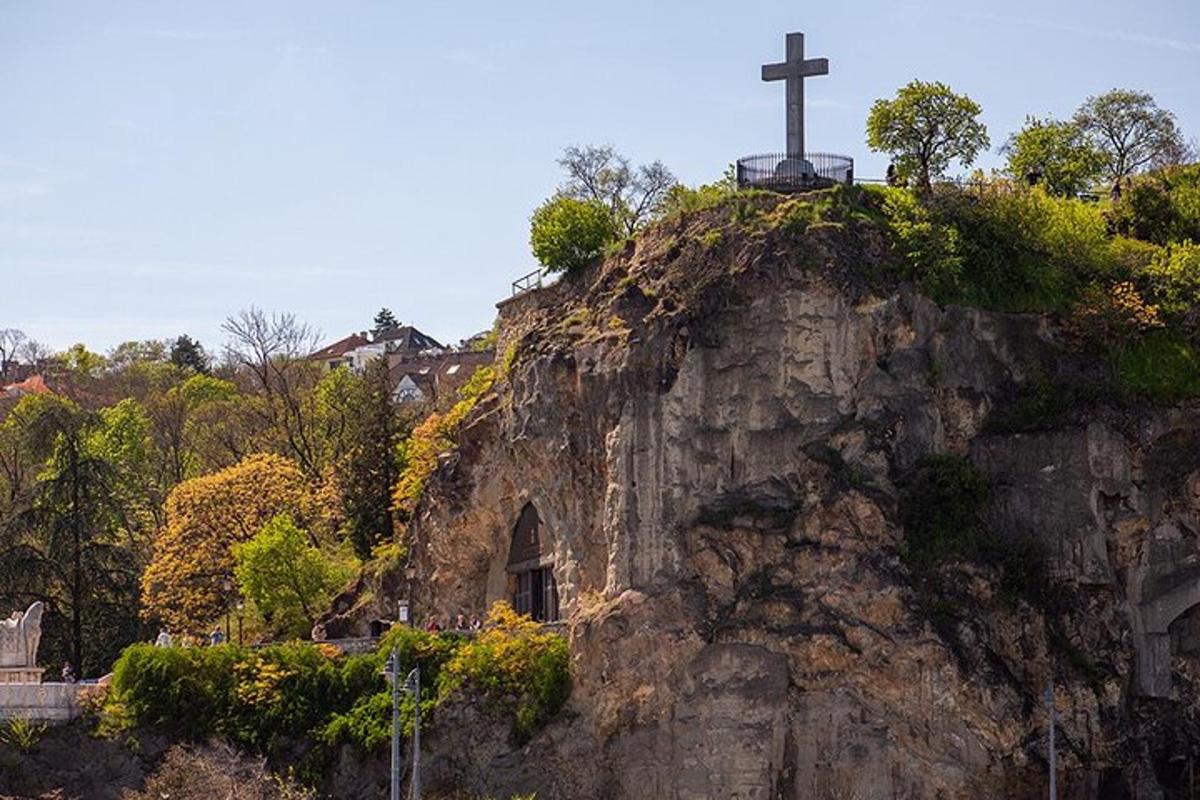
<point>385,320</point>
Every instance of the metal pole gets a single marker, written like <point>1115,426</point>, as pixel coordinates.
<point>395,672</point>
<point>416,742</point>
<point>1053,766</point>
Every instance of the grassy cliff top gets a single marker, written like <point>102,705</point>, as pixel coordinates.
<point>1122,277</point>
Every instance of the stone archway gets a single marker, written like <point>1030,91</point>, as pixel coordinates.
<point>1169,603</point>
<point>532,588</point>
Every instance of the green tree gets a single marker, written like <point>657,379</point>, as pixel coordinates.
<point>1057,153</point>
<point>603,175</point>
<point>1162,206</point>
<point>188,354</point>
<point>189,422</point>
<point>385,320</point>
<point>134,351</point>
<point>1132,132</point>
<point>567,234</point>
<point>289,580</point>
<point>370,466</point>
<point>926,127</point>
<point>68,545</point>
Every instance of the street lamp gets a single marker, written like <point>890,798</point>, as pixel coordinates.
<point>227,585</point>
<point>411,685</point>
<point>240,607</point>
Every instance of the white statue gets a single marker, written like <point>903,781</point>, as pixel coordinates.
<point>19,637</point>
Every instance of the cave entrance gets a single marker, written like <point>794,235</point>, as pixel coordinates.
<point>530,569</point>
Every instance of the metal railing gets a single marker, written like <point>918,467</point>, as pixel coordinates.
<point>780,172</point>
<point>527,283</point>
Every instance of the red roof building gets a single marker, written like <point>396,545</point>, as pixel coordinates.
<point>34,384</point>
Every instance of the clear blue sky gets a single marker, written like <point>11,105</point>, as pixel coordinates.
<point>164,164</point>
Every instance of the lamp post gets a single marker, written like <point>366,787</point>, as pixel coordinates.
<point>392,671</point>
<point>1050,741</point>
<point>240,606</point>
<point>413,687</point>
<point>227,585</point>
<point>410,575</point>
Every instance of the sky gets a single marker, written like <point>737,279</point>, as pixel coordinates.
<point>166,164</point>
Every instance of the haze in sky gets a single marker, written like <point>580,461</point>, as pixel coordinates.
<point>163,165</point>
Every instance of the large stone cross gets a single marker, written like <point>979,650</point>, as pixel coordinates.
<point>794,71</point>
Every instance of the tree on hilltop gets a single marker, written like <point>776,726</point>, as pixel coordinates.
<point>1054,153</point>
<point>603,175</point>
<point>926,127</point>
<point>1132,132</point>
<point>566,233</point>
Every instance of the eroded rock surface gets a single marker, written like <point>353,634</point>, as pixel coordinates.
<point>713,442</point>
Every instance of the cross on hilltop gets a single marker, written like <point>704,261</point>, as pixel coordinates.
<point>795,170</point>
<point>794,70</point>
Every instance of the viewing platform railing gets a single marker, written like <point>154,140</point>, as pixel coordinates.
<point>527,283</point>
<point>780,172</point>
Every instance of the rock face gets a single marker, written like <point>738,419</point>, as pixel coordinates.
<point>713,437</point>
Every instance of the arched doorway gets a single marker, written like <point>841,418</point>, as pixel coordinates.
<point>530,569</point>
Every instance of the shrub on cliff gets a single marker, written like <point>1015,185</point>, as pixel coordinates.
<point>517,666</point>
<point>566,233</point>
<point>1173,275</point>
<point>942,507</point>
<point>1161,207</point>
<point>436,435</point>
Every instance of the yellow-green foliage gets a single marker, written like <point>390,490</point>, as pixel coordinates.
<point>514,666</point>
<point>21,733</point>
<point>517,665</point>
<point>567,234</point>
<point>1174,276</point>
<point>1160,207</point>
<point>509,359</point>
<point>1021,248</point>
<point>930,248</point>
<point>436,435</point>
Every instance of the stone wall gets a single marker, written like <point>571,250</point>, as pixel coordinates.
<point>45,702</point>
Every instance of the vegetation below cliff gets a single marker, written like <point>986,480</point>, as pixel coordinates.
<point>298,704</point>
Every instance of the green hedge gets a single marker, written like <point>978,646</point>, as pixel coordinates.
<point>303,697</point>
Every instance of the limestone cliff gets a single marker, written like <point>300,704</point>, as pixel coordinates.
<point>714,427</point>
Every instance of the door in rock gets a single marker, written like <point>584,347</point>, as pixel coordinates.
<point>531,569</point>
